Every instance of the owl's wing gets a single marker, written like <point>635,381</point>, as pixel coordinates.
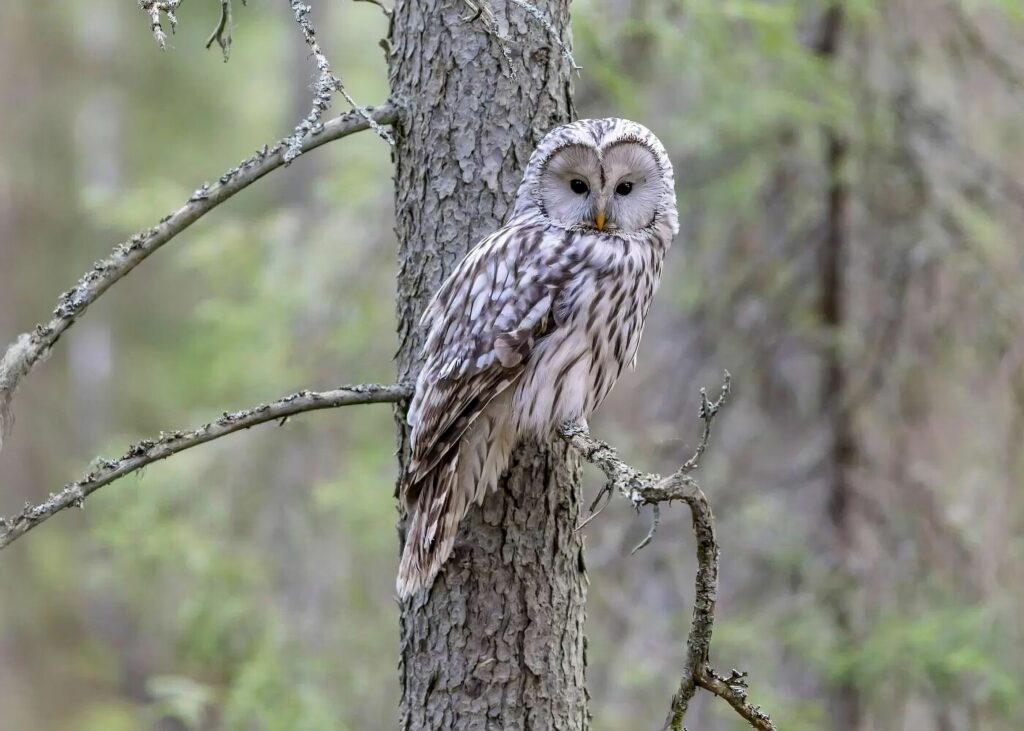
<point>484,322</point>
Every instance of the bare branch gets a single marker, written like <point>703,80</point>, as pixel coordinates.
<point>708,412</point>
<point>29,348</point>
<point>153,8</point>
<point>153,450</point>
<point>655,522</point>
<point>643,488</point>
<point>222,33</point>
<point>324,86</point>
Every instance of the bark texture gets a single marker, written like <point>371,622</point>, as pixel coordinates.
<point>498,643</point>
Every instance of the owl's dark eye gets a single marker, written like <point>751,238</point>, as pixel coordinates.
<point>624,188</point>
<point>578,186</point>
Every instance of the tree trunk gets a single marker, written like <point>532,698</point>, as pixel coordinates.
<point>498,643</point>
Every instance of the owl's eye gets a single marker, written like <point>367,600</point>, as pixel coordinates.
<point>624,188</point>
<point>578,186</point>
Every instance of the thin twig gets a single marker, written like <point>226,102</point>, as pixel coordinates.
<point>708,412</point>
<point>324,86</point>
<point>655,522</point>
<point>605,493</point>
<point>222,33</point>
<point>29,348</point>
<point>642,488</point>
<point>153,8</point>
<point>153,450</point>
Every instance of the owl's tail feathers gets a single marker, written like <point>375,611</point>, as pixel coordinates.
<point>437,502</point>
<point>435,508</point>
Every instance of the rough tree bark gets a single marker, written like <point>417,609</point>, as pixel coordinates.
<point>498,643</point>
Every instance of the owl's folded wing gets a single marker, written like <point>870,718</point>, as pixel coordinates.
<point>484,323</point>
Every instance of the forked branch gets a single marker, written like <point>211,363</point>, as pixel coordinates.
<point>154,9</point>
<point>149,451</point>
<point>29,348</point>
<point>221,34</point>
<point>644,488</point>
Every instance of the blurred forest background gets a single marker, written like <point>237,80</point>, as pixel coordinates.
<point>851,203</point>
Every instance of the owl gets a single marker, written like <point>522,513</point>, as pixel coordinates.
<point>535,324</point>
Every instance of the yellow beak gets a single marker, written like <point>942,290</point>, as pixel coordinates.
<point>600,221</point>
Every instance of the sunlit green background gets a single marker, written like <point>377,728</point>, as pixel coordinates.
<point>248,584</point>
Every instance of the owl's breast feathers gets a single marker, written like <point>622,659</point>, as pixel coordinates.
<point>599,315</point>
<point>557,313</point>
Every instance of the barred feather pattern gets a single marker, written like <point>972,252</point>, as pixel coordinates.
<point>531,329</point>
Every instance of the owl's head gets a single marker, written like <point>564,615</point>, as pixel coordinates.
<point>607,175</point>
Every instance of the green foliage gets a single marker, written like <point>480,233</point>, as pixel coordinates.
<point>946,650</point>
<point>275,691</point>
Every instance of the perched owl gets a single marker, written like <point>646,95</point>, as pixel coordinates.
<point>535,325</point>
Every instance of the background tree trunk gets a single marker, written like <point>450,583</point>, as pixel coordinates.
<point>499,642</point>
<point>841,452</point>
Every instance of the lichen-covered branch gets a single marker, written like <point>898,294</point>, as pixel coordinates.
<point>733,690</point>
<point>644,488</point>
<point>324,86</point>
<point>29,348</point>
<point>153,8</point>
<point>148,451</point>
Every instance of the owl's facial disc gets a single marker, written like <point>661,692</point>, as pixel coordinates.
<point>569,184</point>
<point>617,189</point>
<point>634,185</point>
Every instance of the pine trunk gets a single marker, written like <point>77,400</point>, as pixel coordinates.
<point>498,643</point>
